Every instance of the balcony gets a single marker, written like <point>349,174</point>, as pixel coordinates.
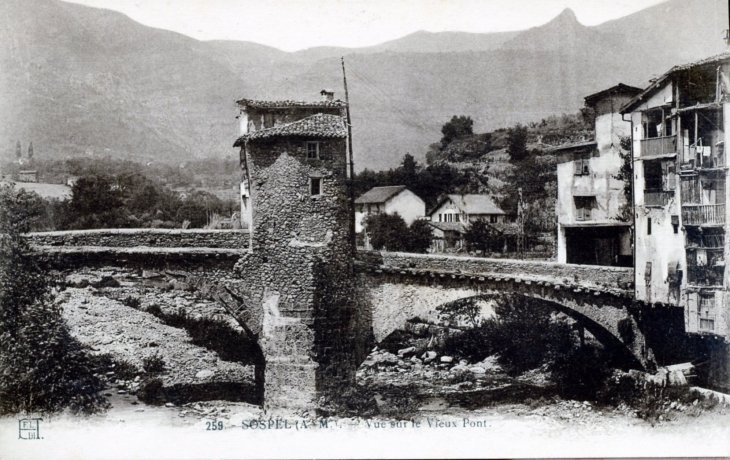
<point>658,146</point>
<point>657,198</point>
<point>703,214</point>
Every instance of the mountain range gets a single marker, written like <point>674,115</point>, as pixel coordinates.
<point>85,81</point>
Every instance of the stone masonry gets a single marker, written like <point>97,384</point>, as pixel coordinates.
<point>298,298</point>
<point>139,237</point>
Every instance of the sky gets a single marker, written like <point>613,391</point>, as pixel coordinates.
<point>292,25</point>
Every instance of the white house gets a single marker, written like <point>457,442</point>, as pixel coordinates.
<point>395,199</point>
<point>465,209</point>
<point>591,228</point>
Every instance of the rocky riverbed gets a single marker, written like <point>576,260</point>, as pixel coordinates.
<point>109,311</point>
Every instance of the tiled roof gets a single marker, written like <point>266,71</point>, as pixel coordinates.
<point>319,125</point>
<point>255,104</point>
<point>620,88</point>
<point>379,194</point>
<point>471,204</point>
<point>660,81</point>
<point>576,146</point>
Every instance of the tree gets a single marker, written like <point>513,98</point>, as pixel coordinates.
<point>387,231</point>
<point>96,202</point>
<point>18,152</point>
<point>30,151</point>
<point>481,237</point>
<point>43,368</point>
<point>457,127</point>
<point>517,143</point>
<point>420,236</point>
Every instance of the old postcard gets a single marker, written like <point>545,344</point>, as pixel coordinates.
<point>346,229</point>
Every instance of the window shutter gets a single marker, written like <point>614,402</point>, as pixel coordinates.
<point>719,301</point>
<point>690,312</point>
<point>671,176</point>
<point>578,164</point>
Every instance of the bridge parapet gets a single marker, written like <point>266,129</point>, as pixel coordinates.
<point>143,237</point>
<point>616,280</point>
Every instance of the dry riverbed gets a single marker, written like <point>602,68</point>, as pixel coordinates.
<point>399,386</point>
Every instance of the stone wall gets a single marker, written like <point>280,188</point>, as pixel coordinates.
<point>143,237</point>
<point>585,275</point>
<point>299,287</point>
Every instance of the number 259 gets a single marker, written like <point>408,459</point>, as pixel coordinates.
<point>213,426</point>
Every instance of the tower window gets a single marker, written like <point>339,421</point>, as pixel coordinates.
<point>313,150</point>
<point>315,186</point>
<point>648,226</point>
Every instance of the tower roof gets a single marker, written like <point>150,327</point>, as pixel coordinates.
<point>319,125</point>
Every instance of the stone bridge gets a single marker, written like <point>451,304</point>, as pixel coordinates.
<point>391,287</point>
<point>398,287</point>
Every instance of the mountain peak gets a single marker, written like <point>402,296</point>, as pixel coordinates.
<point>566,17</point>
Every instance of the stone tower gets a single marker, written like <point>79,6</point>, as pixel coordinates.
<point>298,299</point>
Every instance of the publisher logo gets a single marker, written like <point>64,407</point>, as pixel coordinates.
<point>29,428</point>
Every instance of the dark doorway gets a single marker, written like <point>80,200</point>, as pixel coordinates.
<point>609,246</point>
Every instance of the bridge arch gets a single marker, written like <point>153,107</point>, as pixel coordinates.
<point>398,296</point>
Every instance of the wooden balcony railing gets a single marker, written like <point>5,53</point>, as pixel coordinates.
<point>701,214</point>
<point>657,197</point>
<point>658,146</point>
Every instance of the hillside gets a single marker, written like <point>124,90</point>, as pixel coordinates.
<point>84,81</point>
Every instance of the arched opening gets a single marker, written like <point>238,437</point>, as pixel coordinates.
<point>618,348</point>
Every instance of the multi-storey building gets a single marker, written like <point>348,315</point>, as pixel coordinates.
<point>594,220</point>
<point>298,296</point>
<point>678,126</point>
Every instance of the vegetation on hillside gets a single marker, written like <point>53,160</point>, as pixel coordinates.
<point>501,163</point>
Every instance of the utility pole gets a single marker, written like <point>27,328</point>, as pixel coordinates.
<point>520,226</point>
<point>351,181</point>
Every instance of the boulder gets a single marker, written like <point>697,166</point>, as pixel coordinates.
<point>429,356</point>
<point>446,359</point>
<point>204,374</point>
<point>490,363</point>
<point>385,358</point>
<point>106,281</point>
<point>406,351</point>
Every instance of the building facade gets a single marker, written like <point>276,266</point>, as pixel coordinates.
<point>395,199</point>
<point>465,209</point>
<point>594,215</point>
<point>679,126</point>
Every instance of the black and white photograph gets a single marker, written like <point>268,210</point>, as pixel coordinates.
<point>364,229</point>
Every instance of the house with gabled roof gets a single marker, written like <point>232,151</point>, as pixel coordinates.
<point>395,199</point>
<point>465,209</point>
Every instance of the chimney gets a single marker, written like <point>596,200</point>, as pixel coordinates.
<point>327,95</point>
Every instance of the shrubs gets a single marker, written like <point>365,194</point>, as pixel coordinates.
<point>524,333</point>
<point>390,232</point>
<point>43,368</point>
<point>154,364</point>
<point>133,302</point>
